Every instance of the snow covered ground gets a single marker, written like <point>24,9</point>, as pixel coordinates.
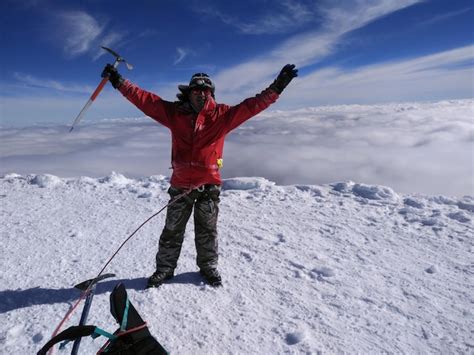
<point>333,268</point>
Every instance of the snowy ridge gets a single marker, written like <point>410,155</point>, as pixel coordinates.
<point>343,267</point>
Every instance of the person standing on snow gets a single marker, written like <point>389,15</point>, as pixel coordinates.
<point>198,128</point>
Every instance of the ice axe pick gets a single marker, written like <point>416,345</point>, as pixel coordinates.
<point>118,60</point>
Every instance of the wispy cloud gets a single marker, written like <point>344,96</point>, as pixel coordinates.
<point>47,108</point>
<point>437,76</point>
<point>443,17</point>
<point>443,75</point>
<point>285,16</point>
<point>310,47</point>
<point>35,82</point>
<point>147,33</point>
<point>181,53</point>
<point>82,34</point>
<point>345,16</point>
<point>80,30</point>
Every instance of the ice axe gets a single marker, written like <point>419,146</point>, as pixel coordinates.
<point>118,60</point>
<point>89,286</point>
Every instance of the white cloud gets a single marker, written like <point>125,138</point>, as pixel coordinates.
<point>80,33</point>
<point>412,147</point>
<point>282,17</point>
<point>443,17</point>
<point>181,53</point>
<point>346,16</point>
<point>32,81</point>
<point>310,47</point>
<point>431,77</point>
<point>62,109</point>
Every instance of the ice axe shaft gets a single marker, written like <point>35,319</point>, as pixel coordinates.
<point>118,60</point>
<point>91,99</point>
<point>84,286</point>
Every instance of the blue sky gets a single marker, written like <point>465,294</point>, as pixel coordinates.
<point>363,52</point>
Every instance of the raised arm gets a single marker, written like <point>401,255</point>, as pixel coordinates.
<point>252,106</point>
<point>149,103</point>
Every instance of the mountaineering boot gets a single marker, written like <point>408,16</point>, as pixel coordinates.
<point>158,278</point>
<point>212,277</point>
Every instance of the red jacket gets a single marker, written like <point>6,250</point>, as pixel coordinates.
<point>197,139</point>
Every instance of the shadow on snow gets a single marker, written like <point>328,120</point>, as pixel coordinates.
<point>16,299</point>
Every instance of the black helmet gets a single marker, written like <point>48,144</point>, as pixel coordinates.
<point>198,80</point>
<point>201,80</point>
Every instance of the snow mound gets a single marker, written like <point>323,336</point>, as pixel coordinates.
<point>45,180</point>
<point>444,200</point>
<point>343,187</point>
<point>374,192</point>
<point>466,204</point>
<point>85,180</point>
<point>116,179</point>
<point>247,183</point>
<point>157,179</point>
<point>412,202</point>
<point>12,177</point>
<point>370,192</point>
<point>313,190</point>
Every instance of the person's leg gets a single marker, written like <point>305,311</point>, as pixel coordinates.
<point>171,239</point>
<point>206,211</point>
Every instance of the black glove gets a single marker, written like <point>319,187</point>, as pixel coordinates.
<point>114,77</point>
<point>283,79</point>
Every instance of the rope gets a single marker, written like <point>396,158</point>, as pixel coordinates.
<point>88,289</point>
<point>104,347</point>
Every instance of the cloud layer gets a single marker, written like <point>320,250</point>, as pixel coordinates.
<point>411,147</point>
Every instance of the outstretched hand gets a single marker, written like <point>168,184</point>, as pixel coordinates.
<point>114,77</point>
<point>287,74</point>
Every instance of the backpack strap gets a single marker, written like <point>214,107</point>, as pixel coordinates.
<point>69,334</point>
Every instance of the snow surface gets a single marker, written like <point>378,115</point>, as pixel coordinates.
<point>334,268</point>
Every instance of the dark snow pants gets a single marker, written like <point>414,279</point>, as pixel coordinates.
<point>206,209</point>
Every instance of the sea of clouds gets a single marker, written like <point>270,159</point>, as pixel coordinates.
<point>411,147</point>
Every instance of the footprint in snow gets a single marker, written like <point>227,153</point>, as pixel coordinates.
<point>246,256</point>
<point>322,272</point>
<point>37,338</point>
<point>465,205</point>
<point>281,239</point>
<point>295,337</point>
<point>459,216</point>
<point>296,265</point>
<point>146,194</point>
